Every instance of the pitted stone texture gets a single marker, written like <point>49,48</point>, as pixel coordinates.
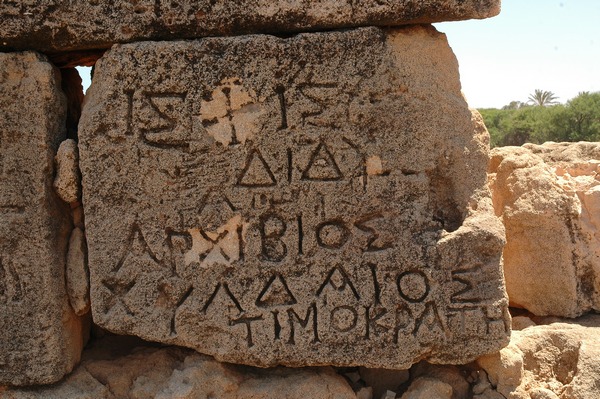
<point>548,197</point>
<point>40,336</point>
<point>229,207</point>
<point>67,180</point>
<point>53,25</point>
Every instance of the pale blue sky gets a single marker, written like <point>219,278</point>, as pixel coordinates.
<point>550,45</point>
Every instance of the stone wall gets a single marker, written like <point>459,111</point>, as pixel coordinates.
<point>316,200</point>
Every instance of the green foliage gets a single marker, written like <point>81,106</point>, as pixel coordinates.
<point>543,98</point>
<point>518,123</point>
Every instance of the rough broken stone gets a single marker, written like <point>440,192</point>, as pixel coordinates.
<point>505,369</point>
<point>428,388</point>
<point>365,393</point>
<point>549,361</point>
<point>383,380</point>
<point>78,276</point>
<point>388,395</point>
<point>67,180</point>
<point>168,373</point>
<point>543,393</point>
<point>229,207</point>
<point>40,336</point>
<point>53,25</point>
<point>548,197</point>
<point>450,375</point>
<point>521,322</point>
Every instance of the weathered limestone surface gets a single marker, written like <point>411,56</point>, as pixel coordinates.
<point>40,336</point>
<point>548,197</point>
<point>77,273</point>
<point>67,180</point>
<point>320,199</point>
<point>169,373</point>
<point>58,25</point>
<point>557,360</point>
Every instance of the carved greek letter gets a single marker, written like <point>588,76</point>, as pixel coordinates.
<point>294,318</point>
<point>272,229</point>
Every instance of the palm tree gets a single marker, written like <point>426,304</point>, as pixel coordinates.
<point>543,98</point>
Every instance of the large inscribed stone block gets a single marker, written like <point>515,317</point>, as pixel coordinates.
<point>58,25</point>
<point>319,199</point>
<point>40,336</point>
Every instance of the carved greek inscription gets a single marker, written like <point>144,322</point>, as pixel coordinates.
<point>422,322</point>
<point>343,318</point>
<point>322,165</point>
<point>223,290</point>
<point>272,230</point>
<point>118,288</point>
<point>430,319</point>
<point>275,293</point>
<point>300,235</point>
<point>294,318</point>
<point>319,95</point>
<point>215,209</point>
<point>166,120</point>
<point>466,292</point>
<point>276,325</point>
<point>374,242</point>
<point>335,233</point>
<point>417,315</point>
<point>179,244</point>
<point>373,315</point>
<point>179,303</point>
<point>137,252</point>
<point>338,279</point>
<point>290,164</point>
<point>280,90</point>
<point>11,289</point>
<point>478,320</point>
<point>332,234</point>
<point>376,286</point>
<point>247,321</point>
<point>256,172</point>
<point>497,322</point>
<point>413,286</point>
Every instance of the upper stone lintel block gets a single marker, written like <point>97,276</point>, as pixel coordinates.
<point>59,26</point>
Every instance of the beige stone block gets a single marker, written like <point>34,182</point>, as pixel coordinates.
<point>548,197</point>
<point>229,206</point>
<point>559,359</point>
<point>40,336</point>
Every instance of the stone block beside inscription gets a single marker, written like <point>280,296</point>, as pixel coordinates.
<point>58,25</point>
<point>319,199</point>
<point>40,335</point>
